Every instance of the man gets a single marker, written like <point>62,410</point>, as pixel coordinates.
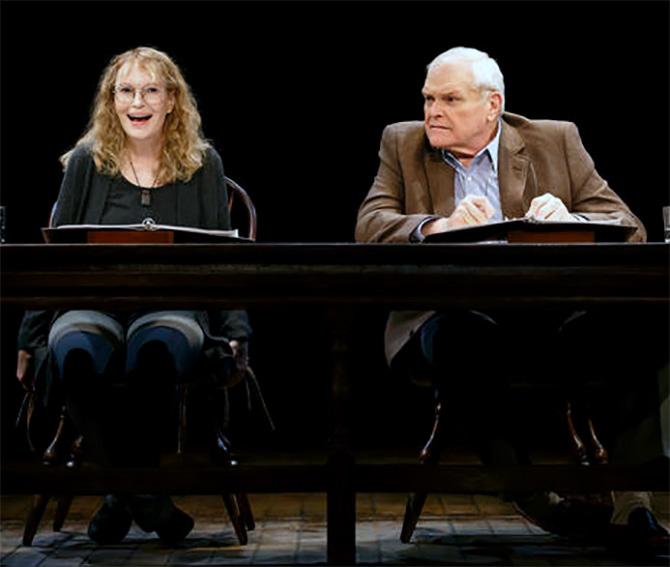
<point>467,164</point>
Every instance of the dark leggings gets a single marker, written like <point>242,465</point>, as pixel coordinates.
<point>92,353</point>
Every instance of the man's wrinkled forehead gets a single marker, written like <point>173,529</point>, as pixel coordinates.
<point>449,77</point>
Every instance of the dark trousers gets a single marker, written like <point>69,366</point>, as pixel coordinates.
<point>606,361</point>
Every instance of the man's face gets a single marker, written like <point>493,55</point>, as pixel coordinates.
<point>458,116</point>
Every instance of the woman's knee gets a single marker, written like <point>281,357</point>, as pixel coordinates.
<point>161,353</point>
<point>85,343</point>
<point>164,342</point>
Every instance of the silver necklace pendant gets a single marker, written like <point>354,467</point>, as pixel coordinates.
<point>145,192</point>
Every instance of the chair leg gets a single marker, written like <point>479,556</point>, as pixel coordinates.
<point>595,452</point>
<point>600,455</point>
<point>235,518</point>
<point>34,518</point>
<point>75,457</point>
<point>591,452</point>
<point>430,455</point>
<point>62,508</point>
<point>52,452</point>
<point>182,394</point>
<point>415,502</point>
<point>578,446</point>
<point>245,511</point>
<point>237,505</point>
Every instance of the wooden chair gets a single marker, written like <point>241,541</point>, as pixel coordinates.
<point>237,505</point>
<point>67,440</point>
<point>585,445</point>
<point>236,193</point>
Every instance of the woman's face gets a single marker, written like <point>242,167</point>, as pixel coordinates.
<point>141,102</point>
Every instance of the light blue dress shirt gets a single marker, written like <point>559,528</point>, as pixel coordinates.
<point>480,177</point>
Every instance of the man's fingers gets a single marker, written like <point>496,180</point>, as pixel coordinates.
<point>547,206</point>
<point>536,204</point>
<point>551,213</point>
<point>473,212</point>
<point>478,204</point>
<point>479,201</point>
<point>560,213</point>
<point>483,204</point>
<point>487,208</point>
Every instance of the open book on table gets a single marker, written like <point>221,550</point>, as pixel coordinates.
<point>145,232</point>
<point>536,231</point>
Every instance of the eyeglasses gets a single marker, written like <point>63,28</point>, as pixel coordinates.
<point>151,95</point>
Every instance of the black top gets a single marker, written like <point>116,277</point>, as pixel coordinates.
<point>124,204</point>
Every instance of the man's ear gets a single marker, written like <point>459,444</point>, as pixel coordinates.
<point>495,105</point>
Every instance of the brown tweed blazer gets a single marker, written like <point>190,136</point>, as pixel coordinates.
<point>535,157</point>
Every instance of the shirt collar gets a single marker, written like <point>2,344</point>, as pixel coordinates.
<point>492,149</point>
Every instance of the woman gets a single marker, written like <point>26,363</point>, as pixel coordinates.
<point>143,156</point>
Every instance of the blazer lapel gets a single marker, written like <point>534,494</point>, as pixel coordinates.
<point>514,170</point>
<point>440,182</point>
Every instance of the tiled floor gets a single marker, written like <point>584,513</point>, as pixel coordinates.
<point>479,530</point>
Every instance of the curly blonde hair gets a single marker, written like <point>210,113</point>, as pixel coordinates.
<point>184,147</point>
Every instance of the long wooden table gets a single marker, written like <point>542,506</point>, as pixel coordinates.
<point>340,278</point>
<point>401,276</point>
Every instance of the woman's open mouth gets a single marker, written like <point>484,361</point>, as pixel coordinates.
<point>139,119</point>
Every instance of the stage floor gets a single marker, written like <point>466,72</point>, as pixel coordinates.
<point>291,529</point>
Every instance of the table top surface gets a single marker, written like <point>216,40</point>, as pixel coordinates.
<point>401,275</point>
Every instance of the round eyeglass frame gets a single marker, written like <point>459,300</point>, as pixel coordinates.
<point>146,95</point>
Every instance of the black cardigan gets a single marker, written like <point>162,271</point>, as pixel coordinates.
<point>201,202</point>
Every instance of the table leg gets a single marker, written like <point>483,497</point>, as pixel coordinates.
<point>341,498</point>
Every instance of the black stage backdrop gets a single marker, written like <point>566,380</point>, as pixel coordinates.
<point>295,95</point>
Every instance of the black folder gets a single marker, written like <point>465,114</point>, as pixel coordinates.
<point>534,231</point>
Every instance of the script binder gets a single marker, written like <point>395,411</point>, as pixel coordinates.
<point>534,231</point>
<point>143,233</point>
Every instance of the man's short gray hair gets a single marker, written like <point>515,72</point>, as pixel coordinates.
<point>485,70</point>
